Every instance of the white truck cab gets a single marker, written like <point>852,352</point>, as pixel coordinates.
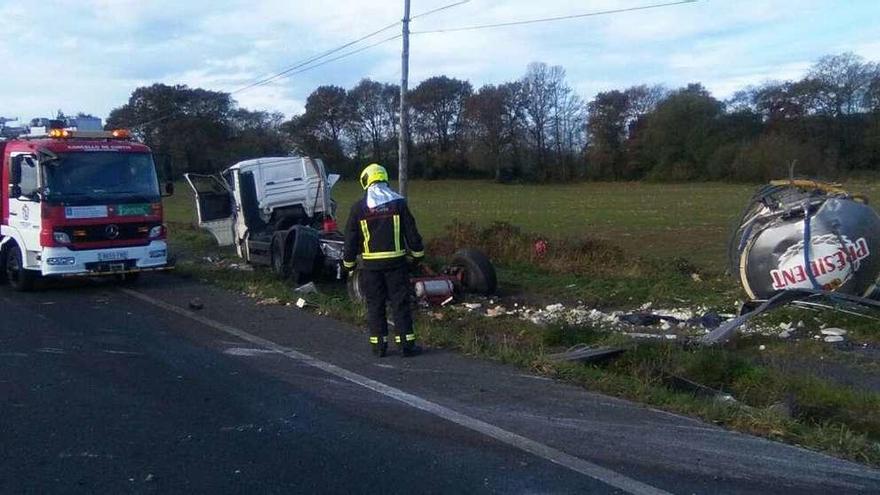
<point>276,211</point>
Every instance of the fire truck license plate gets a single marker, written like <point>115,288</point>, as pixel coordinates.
<point>113,256</point>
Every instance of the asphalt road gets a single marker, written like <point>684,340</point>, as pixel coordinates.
<point>105,390</point>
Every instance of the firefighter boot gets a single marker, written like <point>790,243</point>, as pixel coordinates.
<point>379,346</point>
<point>411,349</point>
<point>407,344</point>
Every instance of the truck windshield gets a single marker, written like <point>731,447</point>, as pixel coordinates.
<point>100,176</point>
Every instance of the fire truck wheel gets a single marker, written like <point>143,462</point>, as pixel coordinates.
<point>478,274</point>
<point>18,277</point>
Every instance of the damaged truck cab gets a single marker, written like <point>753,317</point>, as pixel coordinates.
<point>276,211</point>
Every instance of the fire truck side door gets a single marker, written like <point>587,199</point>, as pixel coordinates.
<point>215,206</point>
<point>24,209</point>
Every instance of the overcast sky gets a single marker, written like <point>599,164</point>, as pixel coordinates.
<point>88,55</point>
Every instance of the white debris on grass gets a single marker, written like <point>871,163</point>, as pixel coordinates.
<point>496,312</point>
<point>581,315</point>
<point>642,335</point>
<point>675,322</point>
<point>833,338</point>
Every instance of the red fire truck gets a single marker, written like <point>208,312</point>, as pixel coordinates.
<point>79,203</point>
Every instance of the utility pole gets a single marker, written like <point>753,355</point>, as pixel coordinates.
<point>403,134</point>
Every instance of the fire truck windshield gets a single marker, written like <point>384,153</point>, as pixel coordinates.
<point>87,177</point>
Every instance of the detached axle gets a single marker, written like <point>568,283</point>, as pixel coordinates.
<point>469,272</point>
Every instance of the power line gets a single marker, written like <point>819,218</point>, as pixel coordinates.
<point>288,74</point>
<point>553,19</point>
<point>342,47</point>
<point>346,54</point>
<point>313,59</point>
<point>301,66</point>
<point>440,9</point>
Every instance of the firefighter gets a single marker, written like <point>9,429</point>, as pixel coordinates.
<point>383,232</point>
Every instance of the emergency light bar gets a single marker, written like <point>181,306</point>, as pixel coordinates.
<point>66,133</point>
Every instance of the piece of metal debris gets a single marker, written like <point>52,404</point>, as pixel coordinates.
<point>308,288</point>
<point>588,354</point>
<point>836,299</point>
<point>196,303</point>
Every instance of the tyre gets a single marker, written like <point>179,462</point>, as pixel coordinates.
<point>354,288</point>
<point>18,277</point>
<point>477,273</point>
<point>279,265</point>
<point>305,250</point>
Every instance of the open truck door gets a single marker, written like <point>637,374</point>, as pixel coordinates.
<point>214,206</point>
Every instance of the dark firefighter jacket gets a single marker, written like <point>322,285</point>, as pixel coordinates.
<point>381,235</point>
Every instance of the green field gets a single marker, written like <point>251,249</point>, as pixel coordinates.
<point>692,221</point>
<point>669,220</point>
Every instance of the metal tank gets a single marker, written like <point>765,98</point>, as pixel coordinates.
<point>804,234</point>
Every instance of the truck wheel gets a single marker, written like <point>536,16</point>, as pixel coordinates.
<point>354,288</point>
<point>477,273</point>
<point>279,266</point>
<point>19,278</point>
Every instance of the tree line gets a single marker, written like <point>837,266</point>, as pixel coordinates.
<point>537,128</point>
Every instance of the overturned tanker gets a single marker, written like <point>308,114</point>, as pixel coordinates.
<point>805,234</point>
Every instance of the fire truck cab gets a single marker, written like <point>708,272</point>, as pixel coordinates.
<point>79,203</point>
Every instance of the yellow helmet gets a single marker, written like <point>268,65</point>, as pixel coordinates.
<point>373,173</point>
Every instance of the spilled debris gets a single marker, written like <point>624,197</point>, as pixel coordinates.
<point>646,322</point>
<point>672,322</point>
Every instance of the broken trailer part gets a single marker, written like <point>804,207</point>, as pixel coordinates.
<point>469,272</point>
<point>802,240</point>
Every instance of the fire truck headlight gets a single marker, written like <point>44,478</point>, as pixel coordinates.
<point>65,261</point>
<point>157,232</point>
<point>61,237</point>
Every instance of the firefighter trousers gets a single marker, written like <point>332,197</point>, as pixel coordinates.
<point>392,287</point>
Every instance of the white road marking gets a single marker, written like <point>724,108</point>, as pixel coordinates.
<point>245,351</point>
<point>605,475</point>
<point>123,353</point>
<point>51,350</point>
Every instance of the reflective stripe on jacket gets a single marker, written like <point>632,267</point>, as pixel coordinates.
<point>381,235</point>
